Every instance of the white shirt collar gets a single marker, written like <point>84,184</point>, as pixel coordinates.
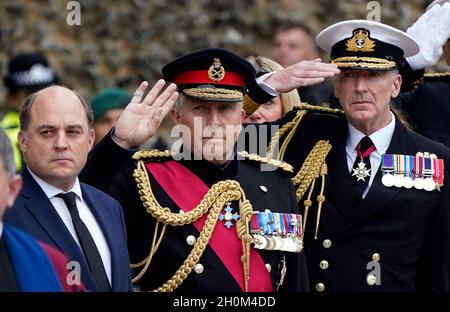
<point>381,138</point>
<point>51,190</point>
<point>1,229</point>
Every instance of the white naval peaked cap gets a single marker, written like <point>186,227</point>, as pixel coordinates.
<point>369,45</point>
<point>381,32</point>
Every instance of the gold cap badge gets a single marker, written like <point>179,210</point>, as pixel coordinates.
<point>360,41</point>
<point>216,72</point>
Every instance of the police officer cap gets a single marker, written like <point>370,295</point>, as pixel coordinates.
<point>211,75</point>
<point>362,44</point>
<point>29,71</point>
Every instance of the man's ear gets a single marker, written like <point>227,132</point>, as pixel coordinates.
<point>14,187</point>
<point>175,116</point>
<point>396,85</point>
<point>21,139</point>
<point>91,139</point>
<point>243,115</point>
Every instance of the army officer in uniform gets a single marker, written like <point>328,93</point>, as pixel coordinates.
<point>205,218</point>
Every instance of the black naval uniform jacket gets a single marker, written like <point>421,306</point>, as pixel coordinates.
<point>174,248</point>
<point>405,230</point>
<point>428,107</point>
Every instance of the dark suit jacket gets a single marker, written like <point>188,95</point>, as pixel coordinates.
<point>408,228</point>
<point>34,213</point>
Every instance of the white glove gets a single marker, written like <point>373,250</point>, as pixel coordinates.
<point>431,31</point>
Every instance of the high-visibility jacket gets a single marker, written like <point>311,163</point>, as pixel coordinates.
<point>10,124</point>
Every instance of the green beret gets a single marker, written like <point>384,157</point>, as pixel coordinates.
<point>109,99</point>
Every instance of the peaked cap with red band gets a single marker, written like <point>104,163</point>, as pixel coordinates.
<point>211,75</point>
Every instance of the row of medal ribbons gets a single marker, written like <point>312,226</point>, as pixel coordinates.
<point>276,231</point>
<point>424,171</point>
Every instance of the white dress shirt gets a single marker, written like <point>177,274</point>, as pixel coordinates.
<point>381,139</point>
<point>85,215</point>
<point>1,229</point>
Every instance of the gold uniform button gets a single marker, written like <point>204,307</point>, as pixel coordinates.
<point>320,287</point>
<point>199,268</point>
<point>371,279</point>
<point>323,264</point>
<point>376,257</point>
<point>327,243</point>
<point>268,267</point>
<point>190,240</point>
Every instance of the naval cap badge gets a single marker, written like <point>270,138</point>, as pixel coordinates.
<point>360,41</point>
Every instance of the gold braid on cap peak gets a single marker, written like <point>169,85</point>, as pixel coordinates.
<point>214,93</point>
<point>212,204</point>
<point>363,62</point>
<point>270,161</point>
<point>444,76</point>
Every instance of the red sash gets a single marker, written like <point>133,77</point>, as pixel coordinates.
<point>187,191</point>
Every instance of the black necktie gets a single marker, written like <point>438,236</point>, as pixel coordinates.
<point>87,243</point>
<point>361,170</point>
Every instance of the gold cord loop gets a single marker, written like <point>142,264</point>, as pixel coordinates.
<point>213,202</point>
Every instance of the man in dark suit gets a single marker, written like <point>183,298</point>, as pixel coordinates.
<point>25,263</point>
<point>86,224</point>
<point>380,228</point>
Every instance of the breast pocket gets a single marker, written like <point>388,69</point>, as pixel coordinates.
<point>416,202</point>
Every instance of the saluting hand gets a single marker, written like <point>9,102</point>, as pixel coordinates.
<point>143,115</point>
<point>301,74</point>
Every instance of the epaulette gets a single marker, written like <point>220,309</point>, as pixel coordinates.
<point>318,109</point>
<point>437,77</point>
<point>154,154</point>
<point>289,128</point>
<point>264,160</point>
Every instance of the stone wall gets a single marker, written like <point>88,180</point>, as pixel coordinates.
<point>125,41</point>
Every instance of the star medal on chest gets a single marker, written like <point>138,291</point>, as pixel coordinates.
<point>361,172</point>
<point>229,216</point>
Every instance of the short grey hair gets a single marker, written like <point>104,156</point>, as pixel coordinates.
<point>7,154</point>
<point>25,110</point>
<point>179,103</point>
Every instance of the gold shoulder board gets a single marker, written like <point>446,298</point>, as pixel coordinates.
<point>153,154</point>
<point>319,109</point>
<point>276,163</point>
